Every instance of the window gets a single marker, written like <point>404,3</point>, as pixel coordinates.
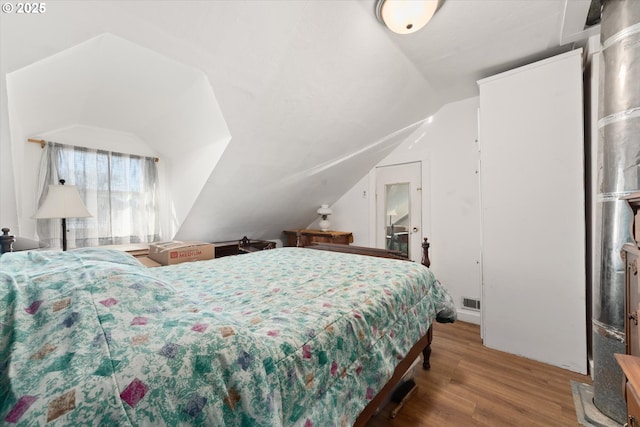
<point>120,191</point>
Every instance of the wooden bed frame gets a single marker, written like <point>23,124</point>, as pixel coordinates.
<point>6,240</point>
<point>423,345</point>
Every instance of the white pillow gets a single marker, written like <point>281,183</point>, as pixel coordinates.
<point>24,244</point>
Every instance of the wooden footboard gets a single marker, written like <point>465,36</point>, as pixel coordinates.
<point>360,250</point>
<point>377,252</point>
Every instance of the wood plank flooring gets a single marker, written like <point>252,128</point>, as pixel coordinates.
<point>471,385</point>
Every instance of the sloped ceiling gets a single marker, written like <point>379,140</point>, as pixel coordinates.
<point>314,93</point>
<point>108,82</point>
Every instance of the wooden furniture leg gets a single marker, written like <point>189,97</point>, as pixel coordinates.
<point>426,351</point>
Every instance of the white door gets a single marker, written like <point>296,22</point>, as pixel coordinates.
<point>399,209</point>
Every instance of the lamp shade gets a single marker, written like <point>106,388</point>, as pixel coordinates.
<point>62,201</point>
<point>324,210</point>
<point>406,16</point>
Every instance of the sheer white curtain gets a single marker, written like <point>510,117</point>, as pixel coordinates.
<point>120,191</point>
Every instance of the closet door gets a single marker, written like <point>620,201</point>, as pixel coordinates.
<point>533,212</point>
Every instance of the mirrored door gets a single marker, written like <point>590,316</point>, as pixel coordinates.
<point>399,209</point>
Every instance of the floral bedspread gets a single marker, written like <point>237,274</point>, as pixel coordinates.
<point>289,336</point>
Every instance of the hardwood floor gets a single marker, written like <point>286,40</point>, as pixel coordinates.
<point>471,385</point>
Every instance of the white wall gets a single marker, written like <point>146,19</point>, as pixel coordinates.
<point>351,213</point>
<point>446,145</point>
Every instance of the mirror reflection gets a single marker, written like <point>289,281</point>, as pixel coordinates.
<point>398,220</point>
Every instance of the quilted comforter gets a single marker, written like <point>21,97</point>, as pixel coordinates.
<point>289,336</point>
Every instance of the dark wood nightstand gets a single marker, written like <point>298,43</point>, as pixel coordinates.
<point>242,246</point>
<point>318,236</point>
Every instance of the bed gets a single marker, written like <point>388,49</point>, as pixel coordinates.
<point>288,336</point>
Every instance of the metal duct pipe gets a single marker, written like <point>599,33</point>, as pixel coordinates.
<point>619,174</point>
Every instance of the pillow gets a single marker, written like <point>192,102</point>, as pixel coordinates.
<point>24,244</point>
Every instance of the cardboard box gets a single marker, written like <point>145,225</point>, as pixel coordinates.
<point>174,252</point>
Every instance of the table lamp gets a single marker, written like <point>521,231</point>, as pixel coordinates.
<point>62,201</point>
<point>324,211</point>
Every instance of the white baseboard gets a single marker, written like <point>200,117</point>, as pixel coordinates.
<point>469,316</point>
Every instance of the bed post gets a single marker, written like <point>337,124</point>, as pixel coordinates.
<point>425,253</point>
<point>6,241</point>
<point>426,352</point>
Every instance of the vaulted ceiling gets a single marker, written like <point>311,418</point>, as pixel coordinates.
<point>313,93</point>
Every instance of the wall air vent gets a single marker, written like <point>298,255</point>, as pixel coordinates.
<point>471,304</point>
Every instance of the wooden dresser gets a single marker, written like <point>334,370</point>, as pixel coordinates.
<point>631,254</point>
<point>318,236</point>
<point>630,362</point>
<point>631,387</point>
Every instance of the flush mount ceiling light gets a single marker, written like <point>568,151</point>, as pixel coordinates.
<point>405,16</point>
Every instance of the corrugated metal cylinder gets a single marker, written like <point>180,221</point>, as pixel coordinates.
<point>618,175</point>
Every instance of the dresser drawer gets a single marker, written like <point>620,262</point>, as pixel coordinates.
<point>633,406</point>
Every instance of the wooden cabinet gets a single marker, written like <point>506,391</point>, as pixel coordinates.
<point>630,362</point>
<point>318,236</point>
<point>631,254</point>
<point>633,406</point>
<point>633,200</point>
<point>631,386</point>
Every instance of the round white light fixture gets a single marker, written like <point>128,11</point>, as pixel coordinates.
<point>405,16</point>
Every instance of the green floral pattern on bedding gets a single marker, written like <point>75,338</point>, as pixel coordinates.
<point>289,336</point>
